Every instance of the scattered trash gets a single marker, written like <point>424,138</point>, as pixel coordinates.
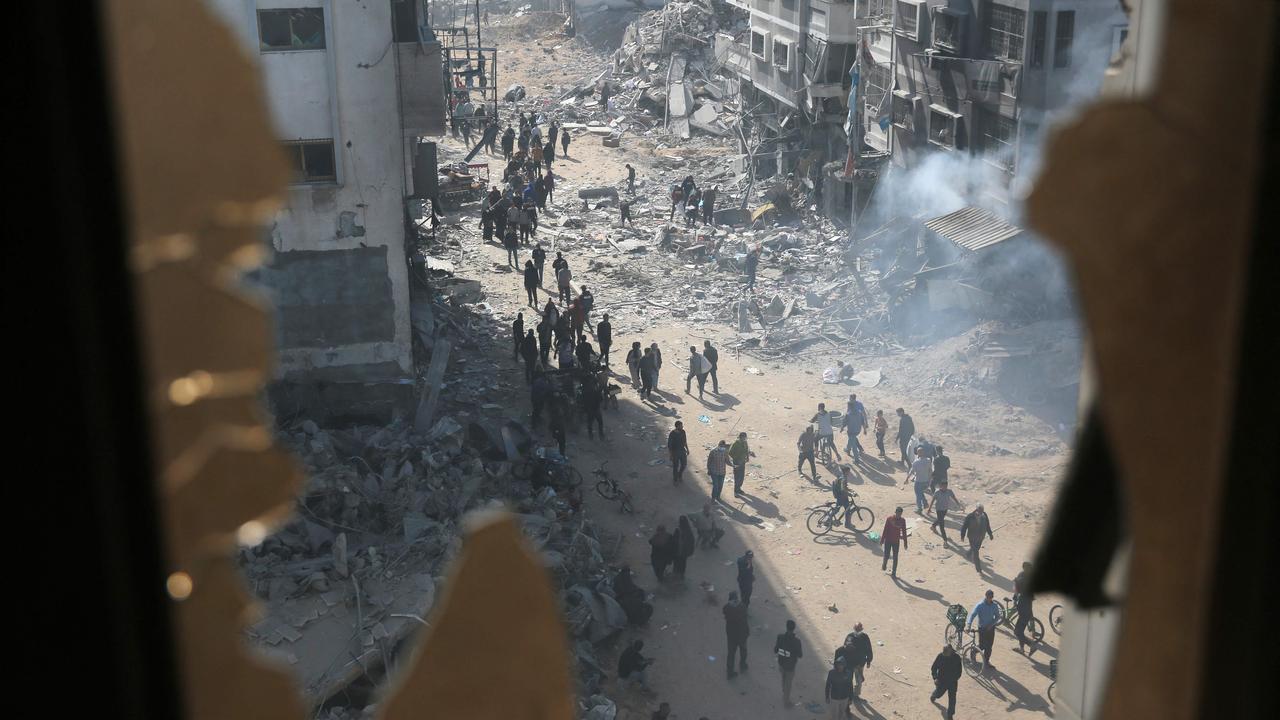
<point>704,419</point>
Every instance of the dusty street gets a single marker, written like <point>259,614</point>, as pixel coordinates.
<point>1003,456</point>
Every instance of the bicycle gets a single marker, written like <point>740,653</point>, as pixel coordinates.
<point>965,641</point>
<point>1053,679</point>
<point>825,517</point>
<point>1055,618</point>
<point>609,489</point>
<point>1009,616</point>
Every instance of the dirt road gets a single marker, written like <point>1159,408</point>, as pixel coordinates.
<point>1003,457</point>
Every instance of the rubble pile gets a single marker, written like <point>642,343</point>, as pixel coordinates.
<point>348,582</point>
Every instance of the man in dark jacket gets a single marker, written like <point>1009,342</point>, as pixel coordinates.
<point>946,675</point>
<point>749,266</point>
<point>736,629</point>
<point>539,260</point>
<point>584,351</point>
<point>604,336</point>
<point>517,335</point>
<point>906,428</point>
<point>838,690</point>
<point>978,527</point>
<point>531,283</point>
<point>678,448</point>
<point>529,350</point>
<point>746,576</point>
<point>1022,600</point>
<point>859,657</point>
<point>712,356</point>
<point>787,649</point>
<point>941,465</point>
<point>632,665</point>
<point>661,550</point>
<point>592,401</point>
<point>540,392</point>
<point>508,143</point>
<point>544,339</point>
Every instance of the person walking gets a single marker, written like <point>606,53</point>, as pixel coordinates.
<point>578,317</point>
<point>631,179</point>
<point>946,677</point>
<point>750,265</point>
<point>944,500</point>
<point>709,205</point>
<point>855,421</point>
<point>564,142</point>
<point>895,531</point>
<point>508,143</point>
<point>941,465</point>
<point>686,543</point>
<point>677,201</point>
<point>709,532</point>
<point>549,182</point>
<point>736,630</point>
<point>583,352</point>
<point>564,281</point>
<point>826,433</point>
<point>806,445</point>
<point>987,612</point>
<point>906,429</point>
<point>717,460</point>
<point>531,283</point>
<point>559,262</point>
<point>739,453</point>
<point>604,338</point>
<point>661,547</point>
<point>539,260</point>
<point>657,363</point>
<point>512,245</point>
<point>529,351</point>
<point>517,335</point>
<point>633,364</point>
<point>921,470</point>
<point>545,329</point>
<point>691,209</point>
<point>838,691</point>
<point>1022,600</point>
<point>746,576</point>
<point>624,214</point>
<point>592,402</point>
<point>978,527</point>
<point>882,427</point>
<point>632,666</point>
<point>648,374</point>
<point>788,651</point>
<point>698,368</point>
<point>678,448</point>
<point>858,658</point>
<point>713,356</point>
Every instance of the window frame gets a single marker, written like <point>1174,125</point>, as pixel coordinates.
<point>765,38</point>
<point>1039,38</point>
<point>954,118</point>
<point>987,119</point>
<point>955,18</point>
<point>1062,50</point>
<point>1003,50</point>
<point>299,146</point>
<point>773,53</point>
<point>263,47</point>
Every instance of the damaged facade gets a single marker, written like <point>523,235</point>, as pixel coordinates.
<point>349,87</point>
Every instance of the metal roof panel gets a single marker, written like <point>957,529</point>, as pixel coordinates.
<point>973,228</point>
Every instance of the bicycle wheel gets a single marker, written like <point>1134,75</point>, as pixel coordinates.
<point>863,519</point>
<point>607,490</point>
<point>971,658</point>
<point>1037,629</point>
<point>1055,618</point>
<point>952,635</point>
<point>819,521</point>
<point>626,506</point>
<point>1049,692</point>
<point>1002,614</point>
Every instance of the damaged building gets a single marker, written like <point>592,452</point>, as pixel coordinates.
<point>350,88</point>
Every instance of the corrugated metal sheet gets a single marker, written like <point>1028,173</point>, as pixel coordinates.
<point>973,228</point>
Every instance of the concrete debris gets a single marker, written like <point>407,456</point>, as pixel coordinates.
<point>351,579</point>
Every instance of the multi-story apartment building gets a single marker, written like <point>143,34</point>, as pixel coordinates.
<point>351,87</point>
<point>981,77</point>
<point>961,76</point>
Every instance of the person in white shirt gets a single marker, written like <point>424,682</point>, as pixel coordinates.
<point>921,470</point>
<point>945,501</point>
<point>699,368</point>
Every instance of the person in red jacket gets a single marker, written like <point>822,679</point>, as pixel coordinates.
<point>895,530</point>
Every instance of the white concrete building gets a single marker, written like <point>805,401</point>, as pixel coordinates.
<point>350,87</point>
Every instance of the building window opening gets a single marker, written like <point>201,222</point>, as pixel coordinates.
<point>1063,35</point>
<point>1005,30</point>
<point>312,161</point>
<point>292,29</point>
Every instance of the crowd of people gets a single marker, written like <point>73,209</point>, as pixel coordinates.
<point>571,380</point>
